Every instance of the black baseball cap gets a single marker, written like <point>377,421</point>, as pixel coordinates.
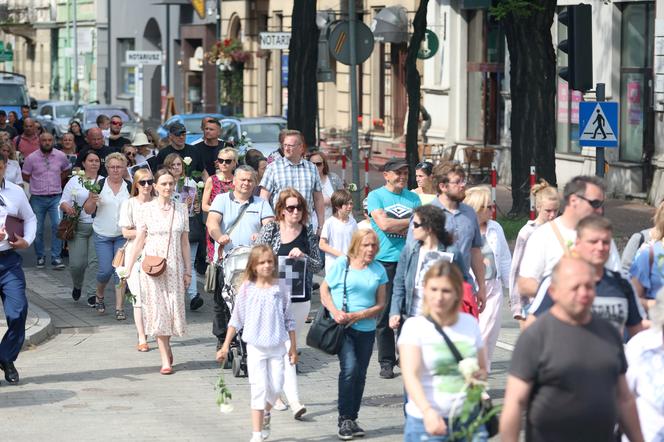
<point>177,129</point>
<point>394,164</point>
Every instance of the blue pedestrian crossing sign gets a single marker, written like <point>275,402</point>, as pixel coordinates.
<point>598,123</point>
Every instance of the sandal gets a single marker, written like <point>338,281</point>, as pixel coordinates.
<point>99,305</point>
<point>120,315</point>
<point>144,347</point>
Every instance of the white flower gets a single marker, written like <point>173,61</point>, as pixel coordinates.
<point>81,173</point>
<point>250,144</point>
<point>244,134</point>
<point>200,184</point>
<point>122,272</point>
<point>352,187</point>
<point>187,160</point>
<point>226,408</point>
<point>467,367</point>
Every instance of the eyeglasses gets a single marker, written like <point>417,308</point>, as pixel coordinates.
<point>114,167</point>
<point>318,164</point>
<point>291,209</point>
<point>116,123</point>
<point>458,183</point>
<point>416,225</point>
<point>146,183</point>
<point>225,161</point>
<point>179,134</point>
<point>291,146</point>
<point>130,154</point>
<point>595,204</point>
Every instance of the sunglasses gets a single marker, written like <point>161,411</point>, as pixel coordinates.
<point>225,161</point>
<point>416,225</point>
<point>595,204</point>
<point>179,134</point>
<point>425,165</point>
<point>116,123</point>
<point>130,154</point>
<point>318,163</point>
<point>291,209</point>
<point>146,183</point>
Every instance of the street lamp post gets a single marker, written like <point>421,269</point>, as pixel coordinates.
<point>75,27</point>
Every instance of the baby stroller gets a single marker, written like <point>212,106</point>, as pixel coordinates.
<point>232,267</point>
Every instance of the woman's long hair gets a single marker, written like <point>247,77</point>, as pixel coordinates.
<point>255,255</point>
<point>432,219</point>
<point>141,174</point>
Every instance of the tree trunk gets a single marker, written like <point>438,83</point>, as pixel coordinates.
<point>413,81</point>
<point>302,59</point>
<point>533,91</point>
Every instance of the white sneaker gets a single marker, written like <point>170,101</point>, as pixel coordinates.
<point>298,410</point>
<point>279,405</point>
<point>256,438</point>
<point>265,432</point>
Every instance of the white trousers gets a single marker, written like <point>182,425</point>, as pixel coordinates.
<point>300,311</point>
<point>265,367</point>
<point>490,318</point>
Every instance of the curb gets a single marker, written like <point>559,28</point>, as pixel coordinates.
<point>42,330</point>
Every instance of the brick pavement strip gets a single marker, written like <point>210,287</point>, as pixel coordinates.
<point>89,383</point>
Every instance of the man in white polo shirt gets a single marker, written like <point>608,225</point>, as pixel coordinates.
<point>245,213</point>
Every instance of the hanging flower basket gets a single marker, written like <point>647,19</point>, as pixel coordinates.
<point>228,52</point>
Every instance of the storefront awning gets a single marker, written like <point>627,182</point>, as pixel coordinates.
<point>391,25</point>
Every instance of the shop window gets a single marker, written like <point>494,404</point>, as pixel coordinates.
<point>635,78</point>
<point>126,73</point>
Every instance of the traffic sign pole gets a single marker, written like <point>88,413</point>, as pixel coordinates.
<point>600,160</point>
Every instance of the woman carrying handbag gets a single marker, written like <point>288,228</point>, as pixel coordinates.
<point>163,237</point>
<point>354,293</point>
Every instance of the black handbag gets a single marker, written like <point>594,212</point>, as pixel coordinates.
<point>197,231</point>
<point>325,333</point>
<point>485,405</point>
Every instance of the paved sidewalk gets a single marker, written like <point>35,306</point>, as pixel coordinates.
<point>89,383</point>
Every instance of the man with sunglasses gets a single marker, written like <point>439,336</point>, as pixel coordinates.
<point>583,196</point>
<point>177,135</point>
<point>115,139</point>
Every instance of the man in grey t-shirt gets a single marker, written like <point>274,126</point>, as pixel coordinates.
<point>568,370</point>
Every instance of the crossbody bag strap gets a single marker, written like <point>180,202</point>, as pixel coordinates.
<point>344,306</point>
<point>448,341</point>
<point>237,220</point>
<point>559,236</point>
<point>170,227</point>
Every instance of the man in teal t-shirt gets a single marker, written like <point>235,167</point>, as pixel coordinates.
<point>391,208</point>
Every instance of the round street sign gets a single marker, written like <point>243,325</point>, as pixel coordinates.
<point>340,42</point>
<point>429,45</point>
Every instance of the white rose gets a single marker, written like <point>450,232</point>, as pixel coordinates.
<point>226,408</point>
<point>81,173</point>
<point>187,160</point>
<point>122,272</point>
<point>352,187</point>
<point>200,184</point>
<point>250,144</point>
<point>467,367</point>
<point>244,134</point>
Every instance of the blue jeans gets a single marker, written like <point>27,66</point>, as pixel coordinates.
<point>192,290</point>
<point>12,292</point>
<point>106,247</point>
<point>353,359</point>
<point>415,432</point>
<point>42,206</point>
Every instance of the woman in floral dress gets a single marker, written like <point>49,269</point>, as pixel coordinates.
<point>219,183</point>
<point>163,295</point>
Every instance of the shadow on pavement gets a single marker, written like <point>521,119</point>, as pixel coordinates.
<point>23,397</point>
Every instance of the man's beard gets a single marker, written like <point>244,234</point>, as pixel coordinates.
<point>457,196</point>
<point>46,149</point>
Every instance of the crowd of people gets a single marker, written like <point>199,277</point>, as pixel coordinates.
<point>422,277</point>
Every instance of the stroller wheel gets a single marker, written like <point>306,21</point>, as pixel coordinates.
<point>236,364</point>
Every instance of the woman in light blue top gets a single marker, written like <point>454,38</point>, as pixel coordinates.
<point>354,293</point>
